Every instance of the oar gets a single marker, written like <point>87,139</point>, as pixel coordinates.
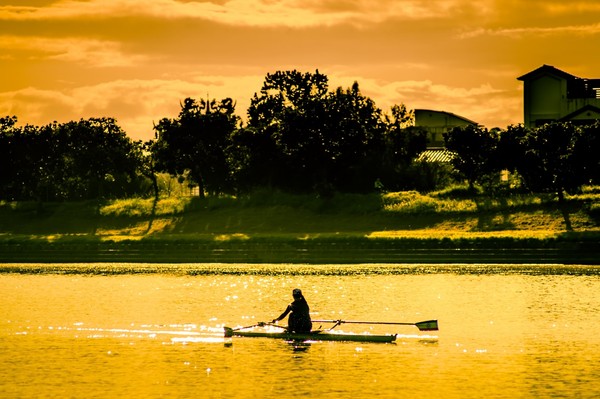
<point>429,325</point>
<point>229,331</point>
<point>259,324</point>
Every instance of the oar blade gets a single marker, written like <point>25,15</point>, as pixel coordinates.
<point>429,325</point>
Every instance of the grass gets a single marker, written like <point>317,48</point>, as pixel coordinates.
<point>273,223</point>
<point>391,215</point>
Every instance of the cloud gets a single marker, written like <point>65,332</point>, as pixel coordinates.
<point>484,103</point>
<point>562,7</point>
<point>89,52</point>
<point>577,30</point>
<point>38,106</point>
<point>264,13</point>
<point>136,103</point>
<point>311,13</point>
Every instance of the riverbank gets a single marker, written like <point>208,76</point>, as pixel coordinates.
<point>493,251</point>
<point>390,228</point>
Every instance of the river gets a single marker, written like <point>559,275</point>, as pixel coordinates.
<point>152,331</point>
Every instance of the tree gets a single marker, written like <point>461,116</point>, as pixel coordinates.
<point>511,148</point>
<point>289,117</point>
<point>322,140</point>
<point>196,142</point>
<point>145,155</point>
<point>65,161</point>
<point>552,161</point>
<point>586,153</point>
<point>11,158</point>
<point>44,161</point>
<point>403,142</point>
<point>355,138</point>
<point>254,159</point>
<point>94,158</point>
<point>26,159</point>
<point>474,147</point>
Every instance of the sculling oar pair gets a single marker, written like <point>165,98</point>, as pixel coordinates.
<point>326,335</point>
<point>429,325</point>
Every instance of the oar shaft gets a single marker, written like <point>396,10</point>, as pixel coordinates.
<point>363,322</point>
<point>429,325</point>
<point>253,325</point>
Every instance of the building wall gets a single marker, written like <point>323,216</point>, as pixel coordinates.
<point>575,104</point>
<point>585,116</point>
<point>543,97</point>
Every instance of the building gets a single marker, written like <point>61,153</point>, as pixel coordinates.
<point>436,123</point>
<point>550,94</point>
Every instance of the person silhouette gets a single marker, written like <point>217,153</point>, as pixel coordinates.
<point>299,320</point>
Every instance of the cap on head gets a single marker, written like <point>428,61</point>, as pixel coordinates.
<point>297,292</point>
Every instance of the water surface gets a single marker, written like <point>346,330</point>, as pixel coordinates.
<point>135,330</point>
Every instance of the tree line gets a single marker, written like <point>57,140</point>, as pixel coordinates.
<point>556,157</point>
<point>300,136</point>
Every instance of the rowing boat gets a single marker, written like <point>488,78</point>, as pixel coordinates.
<point>311,336</point>
<point>327,335</point>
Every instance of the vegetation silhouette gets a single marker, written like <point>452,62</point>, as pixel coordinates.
<point>301,137</point>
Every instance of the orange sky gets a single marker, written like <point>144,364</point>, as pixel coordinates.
<point>135,60</point>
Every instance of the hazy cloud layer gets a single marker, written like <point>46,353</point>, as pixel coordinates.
<point>297,13</point>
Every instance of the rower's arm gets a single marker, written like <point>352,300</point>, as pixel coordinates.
<point>285,313</point>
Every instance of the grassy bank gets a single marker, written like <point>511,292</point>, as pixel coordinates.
<point>275,227</point>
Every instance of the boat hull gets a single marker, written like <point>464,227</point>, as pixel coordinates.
<point>312,336</point>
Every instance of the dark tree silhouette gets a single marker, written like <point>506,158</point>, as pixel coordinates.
<point>586,153</point>
<point>94,155</point>
<point>316,139</point>
<point>73,160</point>
<point>473,146</point>
<point>551,164</point>
<point>403,142</point>
<point>196,141</point>
<point>355,133</point>
<point>289,117</point>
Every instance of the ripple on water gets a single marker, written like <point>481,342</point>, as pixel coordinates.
<point>199,269</point>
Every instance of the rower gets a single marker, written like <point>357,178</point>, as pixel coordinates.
<point>299,320</point>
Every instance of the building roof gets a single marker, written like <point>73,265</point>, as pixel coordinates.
<point>432,155</point>
<point>545,70</point>
<point>586,108</point>
<point>448,114</point>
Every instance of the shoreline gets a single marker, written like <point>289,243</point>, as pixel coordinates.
<point>392,228</point>
<point>315,251</point>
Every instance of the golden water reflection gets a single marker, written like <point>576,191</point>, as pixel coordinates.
<point>161,335</point>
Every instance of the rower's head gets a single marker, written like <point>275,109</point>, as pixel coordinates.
<point>297,293</point>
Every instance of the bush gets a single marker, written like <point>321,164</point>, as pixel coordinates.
<point>590,189</point>
<point>411,202</point>
<point>594,210</point>
<point>408,202</point>
<point>457,191</point>
<point>142,207</point>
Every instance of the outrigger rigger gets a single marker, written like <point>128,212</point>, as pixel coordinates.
<point>326,335</point>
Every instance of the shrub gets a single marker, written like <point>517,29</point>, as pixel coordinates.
<point>408,202</point>
<point>411,202</point>
<point>456,191</point>
<point>594,210</point>
<point>141,207</point>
